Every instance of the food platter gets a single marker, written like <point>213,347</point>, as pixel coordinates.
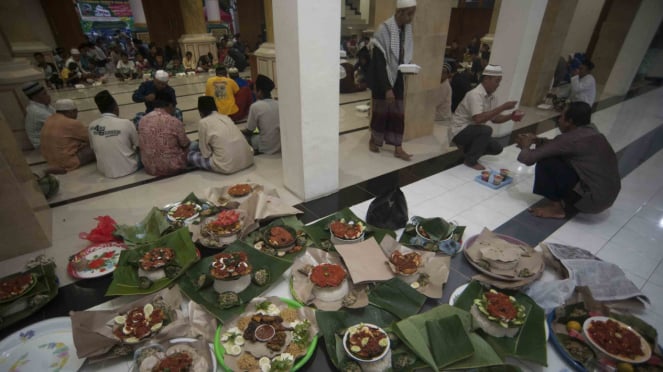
<point>645,348</point>
<point>177,213</point>
<point>239,190</point>
<point>162,349</point>
<point>43,346</point>
<point>8,286</point>
<point>531,255</point>
<point>95,261</point>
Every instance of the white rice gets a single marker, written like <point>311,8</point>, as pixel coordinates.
<point>153,275</point>
<point>331,294</point>
<point>236,286</point>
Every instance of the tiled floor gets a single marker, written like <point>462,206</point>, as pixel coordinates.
<point>629,234</point>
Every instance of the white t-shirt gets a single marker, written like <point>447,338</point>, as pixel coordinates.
<point>115,144</point>
<point>583,89</point>
<point>125,68</point>
<point>475,102</point>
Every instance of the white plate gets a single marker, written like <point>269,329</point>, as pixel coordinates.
<point>44,346</point>
<point>409,68</point>
<point>458,291</point>
<point>544,106</point>
<point>173,207</point>
<point>646,348</point>
<point>190,340</point>
<point>362,108</point>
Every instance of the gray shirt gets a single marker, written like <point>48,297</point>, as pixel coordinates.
<point>264,115</point>
<point>35,115</point>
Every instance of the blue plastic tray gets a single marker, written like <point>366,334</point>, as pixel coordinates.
<point>507,180</point>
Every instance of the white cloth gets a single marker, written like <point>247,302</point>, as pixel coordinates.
<point>387,40</point>
<point>35,115</point>
<point>264,115</point>
<point>475,102</point>
<point>125,68</point>
<point>224,144</point>
<point>443,109</point>
<point>583,90</point>
<point>115,144</point>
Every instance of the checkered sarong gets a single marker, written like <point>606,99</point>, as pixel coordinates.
<point>197,159</point>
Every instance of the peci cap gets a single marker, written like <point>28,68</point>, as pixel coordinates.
<point>161,75</point>
<point>492,70</point>
<point>206,103</point>
<point>32,88</point>
<point>265,84</point>
<point>65,105</point>
<point>74,51</point>
<point>233,70</point>
<point>405,3</point>
<point>447,66</point>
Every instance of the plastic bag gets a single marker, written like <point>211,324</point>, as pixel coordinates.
<point>551,294</point>
<point>103,233</point>
<point>388,211</point>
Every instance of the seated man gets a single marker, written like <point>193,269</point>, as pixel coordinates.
<point>125,68</point>
<point>147,91</point>
<point>583,84</point>
<point>575,171</point>
<point>114,140</point>
<point>223,89</point>
<point>71,75</point>
<point>175,66</point>
<point>205,63</point>
<point>264,115</point>
<point>244,97</point>
<point>468,131</point>
<point>162,140</point>
<point>36,111</point>
<point>222,147</point>
<point>64,140</point>
<point>188,62</point>
<point>51,74</point>
<point>76,58</point>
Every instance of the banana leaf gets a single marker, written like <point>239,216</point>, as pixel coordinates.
<point>290,221</point>
<point>148,230</point>
<point>397,297</point>
<point>530,342</point>
<point>333,324</point>
<point>44,290</point>
<point>319,231</point>
<point>125,278</point>
<point>457,345</point>
<point>410,238</point>
<point>208,297</point>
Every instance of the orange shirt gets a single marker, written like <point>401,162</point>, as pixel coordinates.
<point>61,139</point>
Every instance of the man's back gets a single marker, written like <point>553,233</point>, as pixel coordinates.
<point>115,143</point>
<point>223,90</point>
<point>163,143</point>
<point>61,138</point>
<point>460,85</point>
<point>221,140</point>
<point>264,115</point>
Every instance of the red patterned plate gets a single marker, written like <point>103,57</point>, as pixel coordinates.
<point>95,261</point>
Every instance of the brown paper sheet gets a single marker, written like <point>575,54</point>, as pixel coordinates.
<point>366,261</point>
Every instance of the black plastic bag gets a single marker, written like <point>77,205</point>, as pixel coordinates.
<point>388,211</point>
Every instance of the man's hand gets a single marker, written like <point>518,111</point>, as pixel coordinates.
<point>390,96</point>
<point>150,97</point>
<point>509,105</point>
<point>525,140</point>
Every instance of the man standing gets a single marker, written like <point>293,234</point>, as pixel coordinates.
<point>479,106</point>
<point>223,89</point>
<point>64,140</point>
<point>575,171</point>
<point>222,146</point>
<point>392,46</point>
<point>114,140</point>
<point>148,90</point>
<point>162,141</point>
<point>443,109</point>
<point>37,111</point>
<point>583,85</point>
<point>264,116</point>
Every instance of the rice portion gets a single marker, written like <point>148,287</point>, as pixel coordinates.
<point>289,315</point>
<point>247,362</point>
<point>243,322</point>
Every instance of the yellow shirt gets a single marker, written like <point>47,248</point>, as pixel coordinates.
<point>223,90</point>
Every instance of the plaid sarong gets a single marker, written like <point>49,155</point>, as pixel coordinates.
<point>196,159</point>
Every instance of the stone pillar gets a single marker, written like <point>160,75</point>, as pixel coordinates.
<point>196,39</point>
<point>430,27</point>
<point>547,51</point>
<point>213,15</point>
<point>265,56</point>
<point>26,27</point>
<point>635,46</point>
<point>308,108</point>
<point>140,24</point>
<point>611,37</point>
<point>490,36</point>
<point>515,37</point>
<point>582,26</point>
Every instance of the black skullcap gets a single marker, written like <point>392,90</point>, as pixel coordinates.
<point>32,88</point>
<point>264,84</point>
<point>206,104</point>
<point>105,101</point>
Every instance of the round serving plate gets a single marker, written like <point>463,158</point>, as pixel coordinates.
<point>172,207</point>
<point>102,257</point>
<point>646,348</point>
<point>507,238</point>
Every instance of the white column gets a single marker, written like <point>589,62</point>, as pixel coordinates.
<point>582,26</point>
<point>635,46</point>
<point>517,29</point>
<point>365,9</point>
<point>138,13</point>
<point>212,11</point>
<point>305,32</point>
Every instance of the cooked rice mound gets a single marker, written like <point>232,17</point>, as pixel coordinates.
<point>289,315</point>
<point>247,362</point>
<point>243,322</point>
<point>295,349</point>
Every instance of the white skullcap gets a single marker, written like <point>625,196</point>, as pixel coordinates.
<point>405,3</point>
<point>64,105</point>
<point>74,51</point>
<point>344,54</point>
<point>492,70</point>
<point>161,75</point>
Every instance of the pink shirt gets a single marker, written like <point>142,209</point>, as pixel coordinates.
<point>163,143</point>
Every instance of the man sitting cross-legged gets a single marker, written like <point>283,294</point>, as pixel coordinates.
<point>114,140</point>
<point>64,140</point>
<point>222,147</point>
<point>575,171</point>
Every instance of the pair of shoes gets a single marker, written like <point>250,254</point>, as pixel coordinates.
<point>373,147</point>
<point>476,166</point>
<point>403,155</point>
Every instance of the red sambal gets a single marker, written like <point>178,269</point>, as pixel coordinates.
<point>500,306</point>
<point>178,362</point>
<point>615,339</point>
<point>327,275</point>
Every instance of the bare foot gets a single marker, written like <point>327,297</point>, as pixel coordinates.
<point>403,155</point>
<point>476,166</point>
<point>550,210</point>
